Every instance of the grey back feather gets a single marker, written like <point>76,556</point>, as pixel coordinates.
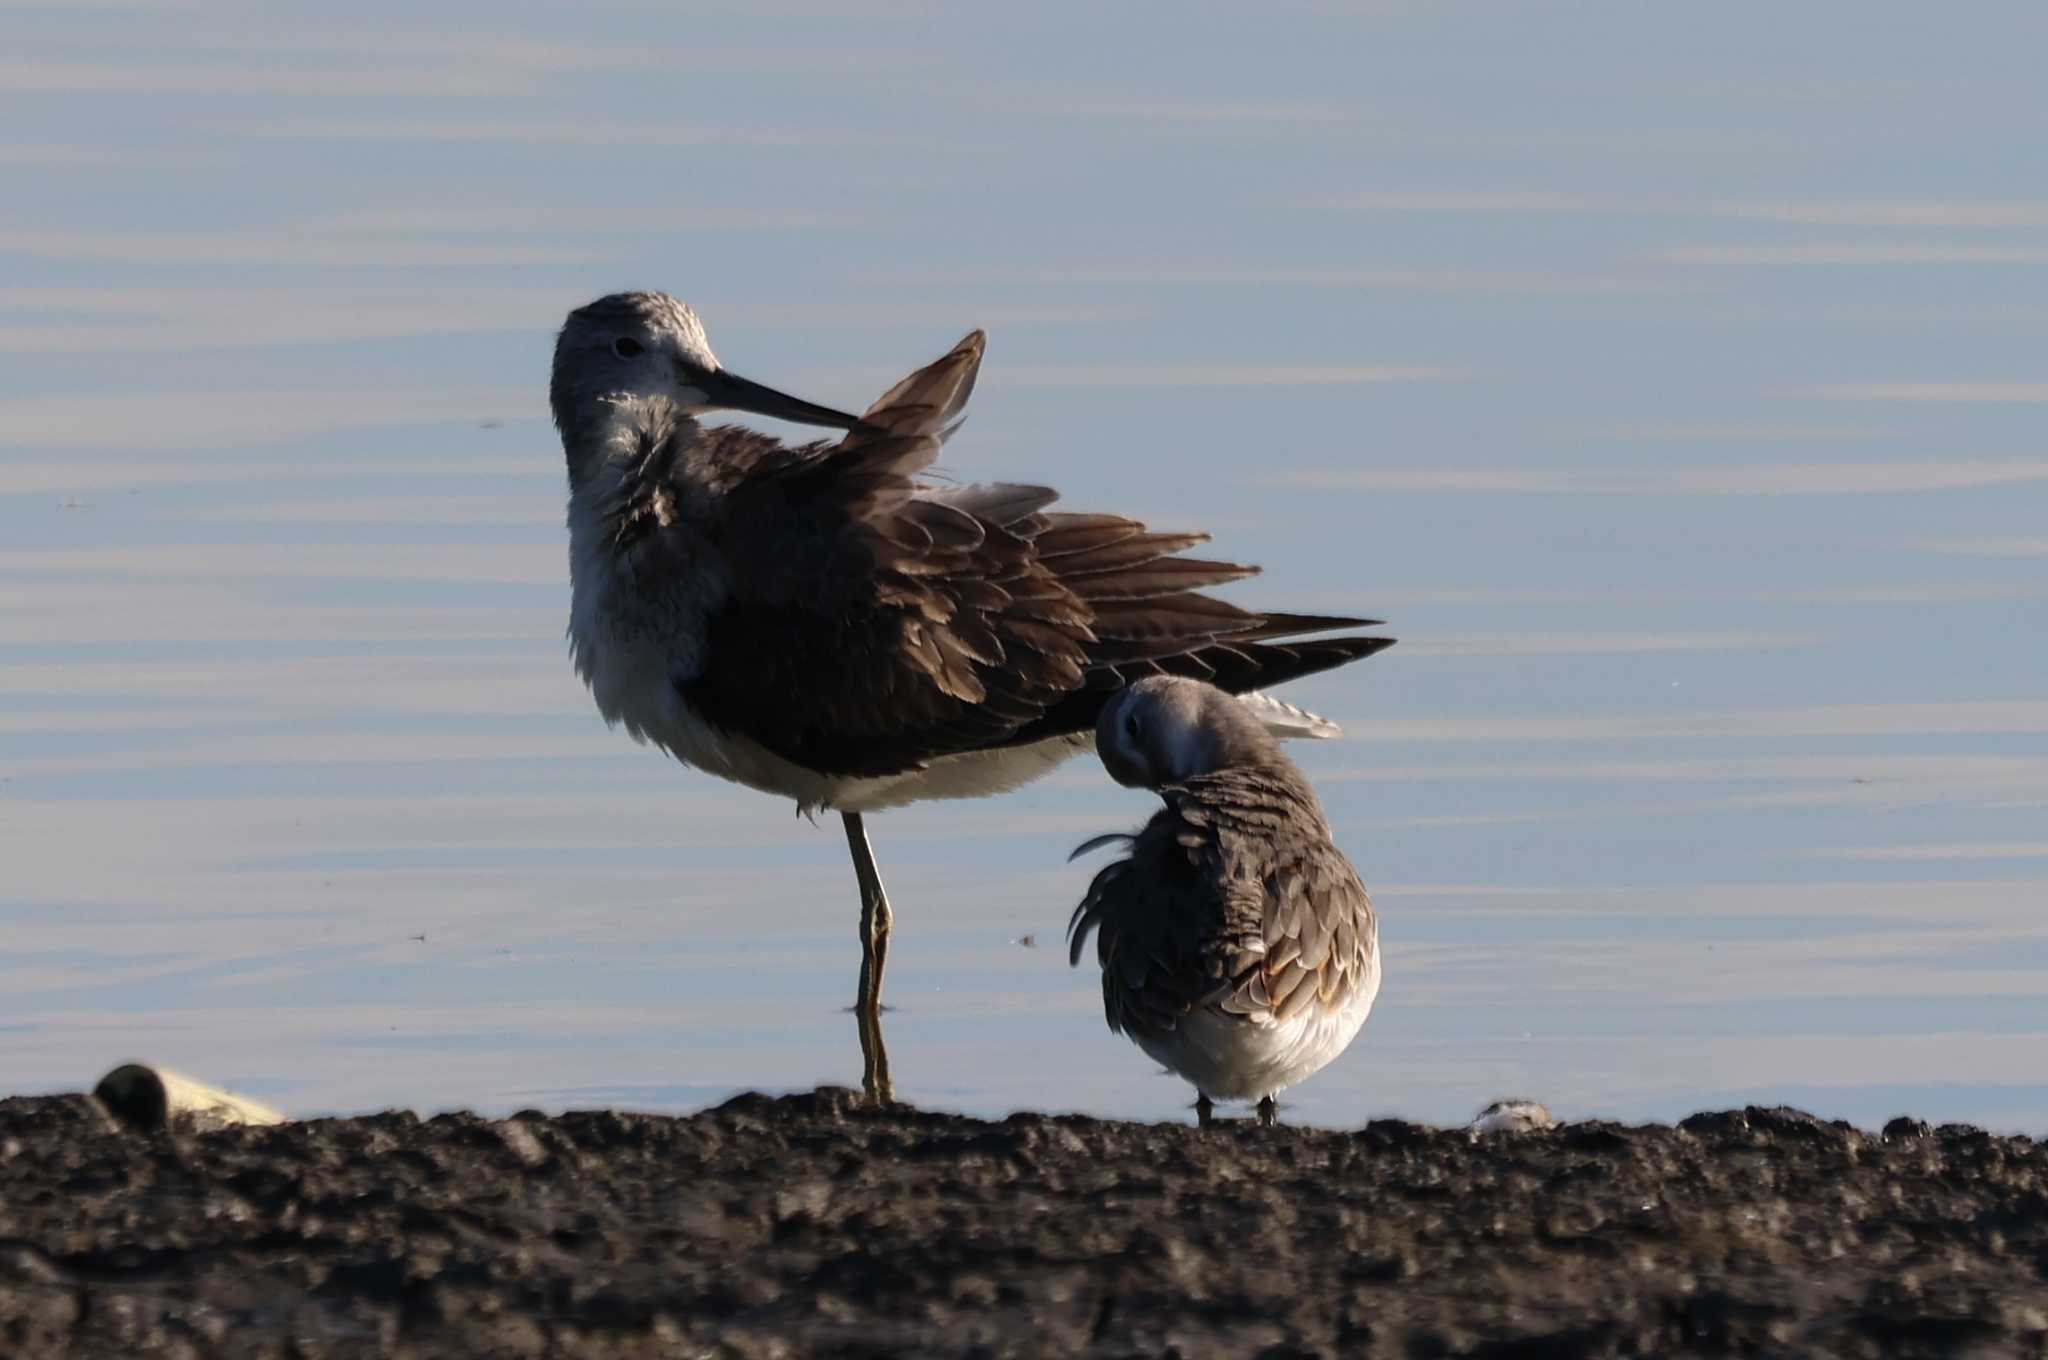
<point>1232,897</point>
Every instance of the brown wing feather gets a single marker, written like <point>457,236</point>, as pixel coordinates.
<point>875,622</point>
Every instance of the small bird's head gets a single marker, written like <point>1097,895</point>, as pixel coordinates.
<point>650,347</point>
<point>1166,728</point>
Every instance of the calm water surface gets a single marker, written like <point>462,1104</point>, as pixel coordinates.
<point>1671,381</point>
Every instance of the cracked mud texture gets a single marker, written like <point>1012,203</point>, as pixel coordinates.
<point>809,1225</point>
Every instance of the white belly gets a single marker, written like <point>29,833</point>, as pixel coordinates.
<point>658,714</point>
<point>971,774</point>
<point>1230,1057</point>
<point>628,654</point>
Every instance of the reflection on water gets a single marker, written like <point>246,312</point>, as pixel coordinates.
<point>1711,767</point>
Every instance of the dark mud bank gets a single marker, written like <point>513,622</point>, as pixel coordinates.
<point>809,1225</point>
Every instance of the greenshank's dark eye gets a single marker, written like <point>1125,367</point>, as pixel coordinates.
<point>1131,727</point>
<point>626,347</point>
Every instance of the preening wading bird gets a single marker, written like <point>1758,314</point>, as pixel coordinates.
<point>818,621</point>
<point>1238,946</point>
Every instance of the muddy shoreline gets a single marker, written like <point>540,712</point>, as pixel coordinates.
<point>813,1225</point>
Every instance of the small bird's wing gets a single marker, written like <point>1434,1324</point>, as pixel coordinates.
<point>1233,898</point>
<point>1317,934</point>
<point>872,622</point>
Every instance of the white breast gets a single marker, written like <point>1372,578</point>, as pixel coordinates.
<point>635,642</point>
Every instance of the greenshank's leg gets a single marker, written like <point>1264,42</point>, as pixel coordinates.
<point>875,919</point>
<point>1205,1110</point>
<point>1269,1112</point>
<point>875,916</point>
<point>874,1059</point>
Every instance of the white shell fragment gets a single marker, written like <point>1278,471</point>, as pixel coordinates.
<point>1512,1116</point>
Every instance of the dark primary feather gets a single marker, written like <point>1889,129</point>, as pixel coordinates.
<point>875,622</point>
<point>1233,897</point>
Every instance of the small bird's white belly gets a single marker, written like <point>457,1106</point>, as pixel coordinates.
<point>1234,1057</point>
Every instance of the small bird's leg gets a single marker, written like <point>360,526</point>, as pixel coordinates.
<point>1205,1110</point>
<point>875,916</point>
<point>1269,1112</point>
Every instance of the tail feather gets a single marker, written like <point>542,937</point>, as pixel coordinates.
<point>1285,720</point>
<point>1236,666</point>
<point>929,401</point>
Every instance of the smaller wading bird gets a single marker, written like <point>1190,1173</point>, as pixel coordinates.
<point>1238,946</point>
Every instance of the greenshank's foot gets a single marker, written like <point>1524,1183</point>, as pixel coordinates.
<point>874,1056</point>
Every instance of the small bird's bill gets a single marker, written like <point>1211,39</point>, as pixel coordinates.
<point>730,392</point>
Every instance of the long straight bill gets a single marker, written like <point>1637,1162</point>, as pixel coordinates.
<point>731,392</point>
